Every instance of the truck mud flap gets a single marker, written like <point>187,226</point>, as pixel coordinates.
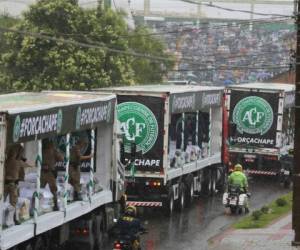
<point>144,203</point>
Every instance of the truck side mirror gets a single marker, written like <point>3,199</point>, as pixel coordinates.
<point>232,129</point>
<point>133,151</point>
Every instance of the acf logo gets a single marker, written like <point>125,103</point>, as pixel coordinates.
<point>138,124</point>
<point>253,115</point>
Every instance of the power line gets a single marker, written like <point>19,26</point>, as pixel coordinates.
<point>84,45</point>
<point>192,61</point>
<point>87,45</point>
<point>263,67</point>
<point>186,58</point>
<point>193,29</point>
<point>228,22</point>
<point>236,10</point>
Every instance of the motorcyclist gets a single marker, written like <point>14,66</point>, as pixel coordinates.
<point>129,226</point>
<point>238,178</point>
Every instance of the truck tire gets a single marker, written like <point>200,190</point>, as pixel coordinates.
<point>207,184</point>
<point>199,183</point>
<point>221,183</point>
<point>26,246</point>
<point>287,183</point>
<point>47,240</point>
<point>39,244</point>
<point>182,196</point>
<point>189,190</point>
<point>168,205</point>
<point>190,194</point>
<point>99,232</point>
<point>213,182</point>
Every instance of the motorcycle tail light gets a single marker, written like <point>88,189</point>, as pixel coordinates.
<point>117,246</point>
<point>85,232</point>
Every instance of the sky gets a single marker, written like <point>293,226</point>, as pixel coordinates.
<point>16,7</point>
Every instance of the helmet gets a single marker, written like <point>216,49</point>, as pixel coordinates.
<point>130,211</point>
<point>238,167</point>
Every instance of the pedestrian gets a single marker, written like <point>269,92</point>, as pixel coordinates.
<point>14,172</point>
<point>50,155</point>
<point>75,160</point>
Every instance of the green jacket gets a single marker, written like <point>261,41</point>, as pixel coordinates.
<point>238,178</point>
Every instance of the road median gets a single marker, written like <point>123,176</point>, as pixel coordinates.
<point>267,214</point>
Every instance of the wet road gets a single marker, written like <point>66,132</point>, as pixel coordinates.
<point>192,229</point>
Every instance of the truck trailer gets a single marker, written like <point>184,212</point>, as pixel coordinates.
<point>172,139</point>
<point>28,119</point>
<point>261,128</point>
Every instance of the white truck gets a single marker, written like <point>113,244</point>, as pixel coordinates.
<point>261,128</point>
<point>177,133</point>
<point>28,119</point>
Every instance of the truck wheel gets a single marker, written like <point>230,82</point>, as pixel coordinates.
<point>169,204</point>
<point>181,202</point>
<point>39,244</point>
<point>47,240</point>
<point>287,183</point>
<point>213,178</point>
<point>207,184</point>
<point>26,246</point>
<point>99,232</point>
<point>221,184</point>
<point>190,194</point>
<point>190,190</point>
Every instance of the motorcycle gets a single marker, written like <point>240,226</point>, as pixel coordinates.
<point>126,242</point>
<point>236,200</point>
<point>286,171</point>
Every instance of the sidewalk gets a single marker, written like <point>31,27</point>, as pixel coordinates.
<point>277,236</point>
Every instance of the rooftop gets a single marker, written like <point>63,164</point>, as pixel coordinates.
<point>29,101</point>
<point>268,86</point>
<point>163,88</point>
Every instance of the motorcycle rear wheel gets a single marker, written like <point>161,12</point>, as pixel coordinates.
<point>233,210</point>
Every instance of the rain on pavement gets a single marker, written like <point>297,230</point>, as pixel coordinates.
<point>205,218</point>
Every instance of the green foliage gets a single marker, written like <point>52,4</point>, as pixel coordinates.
<point>257,214</point>
<point>7,22</point>
<point>147,71</point>
<point>274,212</point>
<point>265,209</point>
<point>281,202</point>
<point>36,63</point>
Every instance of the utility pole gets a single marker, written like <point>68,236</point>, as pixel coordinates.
<point>296,179</point>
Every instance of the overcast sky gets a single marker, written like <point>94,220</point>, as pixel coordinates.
<point>16,7</point>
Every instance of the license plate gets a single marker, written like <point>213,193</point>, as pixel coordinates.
<point>286,172</point>
<point>233,201</point>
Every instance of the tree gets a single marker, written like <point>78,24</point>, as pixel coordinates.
<point>35,63</point>
<point>35,60</point>
<point>149,71</point>
<point>7,22</point>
